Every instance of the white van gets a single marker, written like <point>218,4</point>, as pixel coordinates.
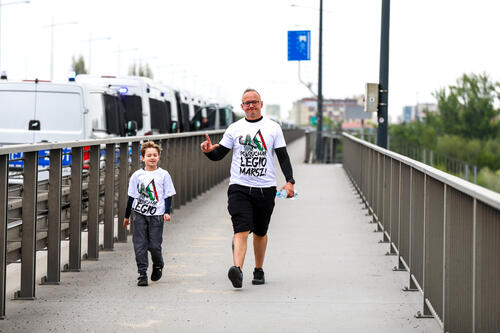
<point>168,94</point>
<point>214,116</point>
<point>36,111</point>
<point>185,109</point>
<point>142,98</point>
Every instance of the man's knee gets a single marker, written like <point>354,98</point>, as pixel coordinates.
<point>260,237</point>
<point>242,235</point>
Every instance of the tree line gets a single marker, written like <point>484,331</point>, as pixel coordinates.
<point>466,128</point>
<point>136,69</point>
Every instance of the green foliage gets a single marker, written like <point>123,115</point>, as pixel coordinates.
<point>490,179</point>
<point>78,65</point>
<point>467,127</point>
<point>467,109</point>
<point>415,134</point>
<point>141,70</point>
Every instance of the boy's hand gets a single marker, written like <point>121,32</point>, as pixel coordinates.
<point>166,218</point>
<point>126,222</point>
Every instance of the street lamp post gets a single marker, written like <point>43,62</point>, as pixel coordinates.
<point>119,52</point>
<point>319,124</point>
<point>90,40</point>
<point>6,4</point>
<point>51,26</point>
<point>382,114</point>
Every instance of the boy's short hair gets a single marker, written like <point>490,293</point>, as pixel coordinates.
<point>149,144</point>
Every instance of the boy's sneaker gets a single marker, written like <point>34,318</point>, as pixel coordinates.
<point>142,280</point>
<point>258,276</point>
<point>156,274</point>
<point>236,276</point>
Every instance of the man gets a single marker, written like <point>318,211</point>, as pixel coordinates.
<point>252,186</point>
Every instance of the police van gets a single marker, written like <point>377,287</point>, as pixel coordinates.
<point>143,100</point>
<point>214,116</point>
<point>42,111</point>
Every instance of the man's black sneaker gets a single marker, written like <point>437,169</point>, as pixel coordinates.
<point>142,280</point>
<point>156,274</point>
<point>258,276</point>
<point>236,276</point>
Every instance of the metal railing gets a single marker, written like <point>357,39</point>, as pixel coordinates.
<point>43,211</point>
<point>332,147</point>
<point>444,230</point>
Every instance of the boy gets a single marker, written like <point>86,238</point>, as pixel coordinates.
<point>150,194</point>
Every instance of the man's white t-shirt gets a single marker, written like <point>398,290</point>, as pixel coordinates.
<point>253,145</point>
<point>149,190</point>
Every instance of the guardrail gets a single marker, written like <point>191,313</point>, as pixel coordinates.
<point>444,230</point>
<point>105,196</point>
<point>332,147</point>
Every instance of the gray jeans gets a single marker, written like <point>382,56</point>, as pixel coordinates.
<point>147,235</point>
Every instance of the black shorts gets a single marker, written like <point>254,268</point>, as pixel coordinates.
<point>250,208</point>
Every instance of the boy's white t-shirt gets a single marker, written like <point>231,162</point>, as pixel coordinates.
<point>253,145</point>
<point>150,189</point>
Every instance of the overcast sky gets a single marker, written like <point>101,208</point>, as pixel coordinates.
<point>220,47</point>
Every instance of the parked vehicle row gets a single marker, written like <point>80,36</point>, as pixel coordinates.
<point>100,107</point>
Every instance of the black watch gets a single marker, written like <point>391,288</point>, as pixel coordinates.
<point>291,181</point>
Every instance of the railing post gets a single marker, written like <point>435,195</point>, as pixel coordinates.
<point>75,228</point>
<point>93,205</point>
<point>176,171</point>
<point>183,191</point>
<point>122,191</point>
<point>54,223</point>
<point>109,198</point>
<point>28,249</point>
<point>4,191</point>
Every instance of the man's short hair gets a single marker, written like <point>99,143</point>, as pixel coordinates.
<point>249,90</point>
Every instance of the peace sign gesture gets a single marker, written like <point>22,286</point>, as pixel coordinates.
<point>207,146</point>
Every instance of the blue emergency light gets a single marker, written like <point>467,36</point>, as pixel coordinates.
<point>123,90</point>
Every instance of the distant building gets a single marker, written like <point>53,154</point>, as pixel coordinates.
<point>417,112</point>
<point>349,111</point>
<point>272,110</point>
<point>408,113</point>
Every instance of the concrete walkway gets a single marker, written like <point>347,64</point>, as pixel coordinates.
<point>325,272</point>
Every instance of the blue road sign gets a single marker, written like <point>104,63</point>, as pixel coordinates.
<point>299,45</point>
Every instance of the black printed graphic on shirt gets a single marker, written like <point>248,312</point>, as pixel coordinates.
<point>253,156</point>
<point>148,199</point>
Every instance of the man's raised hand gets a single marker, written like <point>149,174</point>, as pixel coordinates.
<point>207,146</point>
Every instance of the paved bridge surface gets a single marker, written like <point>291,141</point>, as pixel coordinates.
<point>325,272</point>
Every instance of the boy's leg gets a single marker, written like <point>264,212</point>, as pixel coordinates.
<point>140,240</point>
<point>156,239</point>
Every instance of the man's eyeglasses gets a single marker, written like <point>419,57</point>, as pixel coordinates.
<point>248,103</point>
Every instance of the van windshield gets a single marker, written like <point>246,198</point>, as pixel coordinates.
<point>223,117</point>
<point>185,117</point>
<point>115,118</point>
<point>160,115</point>
<point>133,109</point>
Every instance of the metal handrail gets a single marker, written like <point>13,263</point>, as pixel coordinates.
<point>192,174</point>
<point>444,230</point>
<point>21,148</point>
<point>483,194</point>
